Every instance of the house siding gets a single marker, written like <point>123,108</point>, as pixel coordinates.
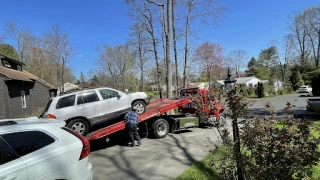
<point>40,96</point>
<point>15,102</point>
<point>3,100</point>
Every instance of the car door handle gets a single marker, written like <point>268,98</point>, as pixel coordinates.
<point>9,177</point>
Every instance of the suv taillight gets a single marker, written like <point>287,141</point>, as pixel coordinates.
<point>51,116</point>
<point>86,145</point>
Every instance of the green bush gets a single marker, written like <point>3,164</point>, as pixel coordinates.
<point>288,89</point>
<point>260,90</point>
<point>243,89</point>
<point>281,92</point>
<point>251,91</point>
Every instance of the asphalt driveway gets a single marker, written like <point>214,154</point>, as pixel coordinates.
<point>167,158</point>
<point>159,159</point>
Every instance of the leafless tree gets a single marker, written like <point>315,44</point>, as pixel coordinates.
<point>204,10</point>
<point>288,55</point>
<point>210,56</point>
<point>300,38</point>
<point>59,50</point>
<point>116,61</point>
<point>140,44</point>
<point>312,26</point>
<point>236,60</point>
<point>19,35</point>
<point>144,14</point>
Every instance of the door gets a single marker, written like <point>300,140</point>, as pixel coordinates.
<point>30,146</point>
<point>11,166</point>
<point>116,104</point>
<point>90,106</point>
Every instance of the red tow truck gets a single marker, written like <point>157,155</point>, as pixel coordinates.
<point>157,121</point>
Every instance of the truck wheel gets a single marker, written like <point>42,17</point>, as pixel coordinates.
<point>174,127</point>
<point>79,125</point>
<point>140,106</point>
<point>160,128</point>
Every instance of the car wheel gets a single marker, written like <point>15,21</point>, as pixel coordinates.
<point>79,125</point>
<point>140,107</point>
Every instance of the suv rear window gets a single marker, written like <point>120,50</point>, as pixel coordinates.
<point>47,106</point>
<point>28,141</point>
<point>66,101</point>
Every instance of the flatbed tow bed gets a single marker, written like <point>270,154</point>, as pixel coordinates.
<point>160,124</point>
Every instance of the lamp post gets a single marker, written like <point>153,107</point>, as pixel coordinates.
<point>230,84</point>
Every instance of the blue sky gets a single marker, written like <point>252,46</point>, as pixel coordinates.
<point>247,24</point>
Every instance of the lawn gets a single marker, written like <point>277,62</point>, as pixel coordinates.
<point>203,171</point>
<point>200,171</point>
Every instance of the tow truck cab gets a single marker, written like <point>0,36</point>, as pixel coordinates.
<point>190,109</point>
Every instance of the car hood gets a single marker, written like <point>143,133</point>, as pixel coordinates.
<point>140,95</point>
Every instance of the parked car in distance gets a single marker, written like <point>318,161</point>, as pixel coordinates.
<point>305,89</point>
<point>32,148</point>
<point>85,108</point>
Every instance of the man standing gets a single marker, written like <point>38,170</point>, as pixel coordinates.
<point>131,125</point>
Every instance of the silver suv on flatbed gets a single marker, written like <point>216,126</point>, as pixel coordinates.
<point>86,108</point>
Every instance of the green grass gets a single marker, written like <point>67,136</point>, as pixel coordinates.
<point>200,171</point>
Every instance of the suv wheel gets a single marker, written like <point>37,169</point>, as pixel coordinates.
<point>79,125</point>
<point>140,106</point>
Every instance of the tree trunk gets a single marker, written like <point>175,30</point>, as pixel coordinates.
<point>141,65</point>
<point>168,49</point>
<point>186,53</point>
<point>175,49</point>
<point>62,77</point>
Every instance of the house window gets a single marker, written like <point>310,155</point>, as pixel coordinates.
<point>19,68</point>
<point>23,99</point>
<point>6,64</point>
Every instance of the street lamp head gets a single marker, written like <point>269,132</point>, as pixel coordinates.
<point>229,81</point>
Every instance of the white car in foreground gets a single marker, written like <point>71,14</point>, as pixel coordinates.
<point>305,89</point>
<point>40,149</point>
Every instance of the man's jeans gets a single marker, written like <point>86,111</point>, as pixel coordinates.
<point>133,133</point>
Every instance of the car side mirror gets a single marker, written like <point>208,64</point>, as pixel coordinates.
<point>118,96</point>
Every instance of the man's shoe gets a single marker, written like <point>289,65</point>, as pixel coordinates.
<point>131,145</point>
<point>139,143</point>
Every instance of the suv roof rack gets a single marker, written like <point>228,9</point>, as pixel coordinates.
<point>79,89</point>
<point>4,123</point>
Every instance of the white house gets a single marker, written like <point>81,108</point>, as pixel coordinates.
<point>251,82</point>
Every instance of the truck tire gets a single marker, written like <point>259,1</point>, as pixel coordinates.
<point>140,106</point>
<point>79,125</point>
<point>160,128</point>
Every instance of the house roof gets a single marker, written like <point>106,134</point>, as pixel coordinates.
<point>242,80</point>
<point>22,76</point>
<point>7,58</point>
